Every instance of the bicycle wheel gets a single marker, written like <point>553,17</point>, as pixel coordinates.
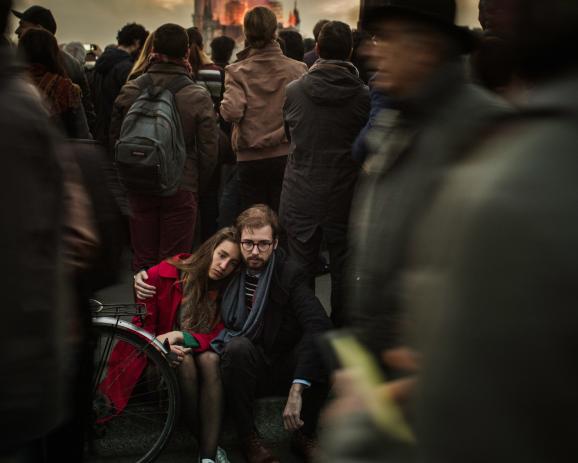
<point>142,427</point>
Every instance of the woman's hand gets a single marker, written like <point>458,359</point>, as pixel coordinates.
<point>143,290</point>
<point>179,356</point>
<point>174,337</point>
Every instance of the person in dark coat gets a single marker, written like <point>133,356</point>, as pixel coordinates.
<point>324,112</point>
<point>272,320</point>
<point>437,116</point>
<point>498,286</point>
<point>111,72</point>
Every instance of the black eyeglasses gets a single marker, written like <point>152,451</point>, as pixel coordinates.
<point>262,246</point>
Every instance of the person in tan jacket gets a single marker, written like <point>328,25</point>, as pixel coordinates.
<point>253,102</point>
<point>163,226</point>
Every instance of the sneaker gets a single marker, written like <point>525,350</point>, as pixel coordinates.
<point>221,456</point>
<point>207,460</point>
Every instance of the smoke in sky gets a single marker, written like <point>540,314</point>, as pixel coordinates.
<point>97,21</point>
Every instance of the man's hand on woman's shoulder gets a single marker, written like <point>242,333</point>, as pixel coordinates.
<point>143,290</point>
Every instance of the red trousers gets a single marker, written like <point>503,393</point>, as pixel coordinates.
<point>161,227</point>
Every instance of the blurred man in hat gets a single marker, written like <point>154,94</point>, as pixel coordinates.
<point>417,52</point>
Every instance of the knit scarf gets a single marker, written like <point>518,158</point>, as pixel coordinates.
<point>61,93</point>
<point>238,320</point>
<point>156,58</point>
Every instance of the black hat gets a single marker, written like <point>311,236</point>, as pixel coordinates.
<point>440,13</point>
<point>38,15</point>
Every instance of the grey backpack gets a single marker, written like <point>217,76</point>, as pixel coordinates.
<point>150,153</point>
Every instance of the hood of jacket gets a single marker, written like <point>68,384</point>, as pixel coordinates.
<point>109,59</point>
<point>331,82</point>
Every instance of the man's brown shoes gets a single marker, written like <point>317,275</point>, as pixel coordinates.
<point>256,452</point>
<point>304,446</point>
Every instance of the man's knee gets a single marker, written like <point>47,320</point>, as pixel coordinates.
<point>238,350</point>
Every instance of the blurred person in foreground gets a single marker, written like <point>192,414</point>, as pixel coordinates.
<point>35,356</point>
<point>437,115</point>
<point>111,72</point>
<point>495,290</point>
<point>324,111</point>
<point>38,16</point>
<point>253,103</point>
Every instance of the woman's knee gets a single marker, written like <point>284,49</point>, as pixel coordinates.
<point>187,366</point>
<point>208,364</point>
<point>208,361</point>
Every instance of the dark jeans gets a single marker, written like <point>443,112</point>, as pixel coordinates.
<point>161,227</point>
<point>247,374</point>
<point>307,253</point>
<point>260,182</point>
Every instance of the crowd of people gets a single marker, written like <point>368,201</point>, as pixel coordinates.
<point>433,164</point>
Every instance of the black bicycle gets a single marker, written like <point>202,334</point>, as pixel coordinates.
<point>135,391</point>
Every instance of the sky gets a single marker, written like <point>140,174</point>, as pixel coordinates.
<point>97,21</point>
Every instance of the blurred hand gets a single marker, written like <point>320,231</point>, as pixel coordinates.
<point>143,290</point>
<point>348,399</point>
<point>403,359</point>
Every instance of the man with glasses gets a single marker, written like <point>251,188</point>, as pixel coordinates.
<point>273,320</point>
<point>269,346</point>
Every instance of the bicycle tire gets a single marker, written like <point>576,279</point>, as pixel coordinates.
<point>153,412</point>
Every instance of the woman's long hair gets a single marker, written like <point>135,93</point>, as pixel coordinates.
<point>141,63</point>
<point>197,57</point>
<point>198,312</point>
<point>41,48</point>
